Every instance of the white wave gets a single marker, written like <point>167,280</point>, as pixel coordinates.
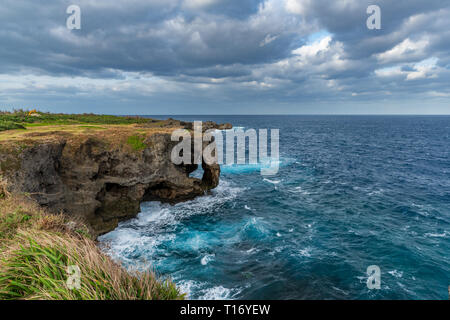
<point>301,191</point>
<point>272,181</point>
<point>251,250</point>
<point>401,285</point>
<point>247,207</point>
<point>305,252</point>
<point>224,192</point>
<point>423,210</point>
<point>200,291</point>
<point>254,167</point>
<point>158,213</point>
<point>341,291</point>
<point>395,273</point>
<point>257,224</point>
<point>122,243</point>
<point>207,259</point>
<point>154,213</point>
<point>437,235</point>
<point>375,192</point>
<point>156,224</point>
<point>277,250</point>
<point>217,293</point>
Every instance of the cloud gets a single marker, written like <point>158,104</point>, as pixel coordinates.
<point>311,50</point>
<point>422,70</point>
<point>404,51</point>
<point>198,3</point>
<point>425,69</point>
<point>250,52</point>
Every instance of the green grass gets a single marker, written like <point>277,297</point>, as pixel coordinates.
<point>38,270</point>
<point>20,119</point>
<point>10,222</point>
<point>36,249</point>
<point>9,125</point>
<point>136,142</point>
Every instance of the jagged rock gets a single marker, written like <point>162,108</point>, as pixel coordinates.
<point>102,185</point>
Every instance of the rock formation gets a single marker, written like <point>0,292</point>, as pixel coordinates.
<point>87,177</point>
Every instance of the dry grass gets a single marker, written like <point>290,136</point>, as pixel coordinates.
<point>111,136</point>
<point>20,212</point>
<point>37,247</point>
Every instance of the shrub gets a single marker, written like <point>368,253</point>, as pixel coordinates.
<point>9,125</point>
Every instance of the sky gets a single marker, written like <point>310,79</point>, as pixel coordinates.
<point>226,57</point>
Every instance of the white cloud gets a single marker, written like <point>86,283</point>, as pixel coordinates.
<point>297,6</point>
<point>405,50</point>
<point>268,39</point>
<point>314,48</point>
<point>196,4</point>
<point>320,57</point>
<point>439,94</point>
<point>128,82</point>
<point>389,72</point>
<point>425,69</point>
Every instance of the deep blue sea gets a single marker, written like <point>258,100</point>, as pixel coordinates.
<point>351,191</point>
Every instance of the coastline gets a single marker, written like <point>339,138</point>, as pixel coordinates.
<point>85,178</point>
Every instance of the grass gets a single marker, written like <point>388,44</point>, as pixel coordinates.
<point>37,269</point>
<point>9,125</point>
<point>20,119</point>
<point>118,130</point>
<point>36,249</point>
<point>136,142</point>
<point>23,117</point>
<point>92,127</point>
<point>10,221</point>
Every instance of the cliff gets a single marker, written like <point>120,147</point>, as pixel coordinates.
<point>99,174</point>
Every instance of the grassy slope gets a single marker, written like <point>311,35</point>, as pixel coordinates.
<point>36,248</point>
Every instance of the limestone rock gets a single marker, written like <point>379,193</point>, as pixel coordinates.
<point>103,185</point>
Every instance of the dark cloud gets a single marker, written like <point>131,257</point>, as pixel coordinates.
<point>232,51</point>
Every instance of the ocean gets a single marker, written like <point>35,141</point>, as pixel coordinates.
<point>351,192</point>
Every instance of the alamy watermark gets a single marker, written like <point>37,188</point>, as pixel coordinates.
<point>74,20</point>
<point>218,146</point>
<point>374,277</point>
<point>374,20</point>
<point>74,277</point>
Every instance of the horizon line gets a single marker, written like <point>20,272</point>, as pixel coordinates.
<point>292,114</point>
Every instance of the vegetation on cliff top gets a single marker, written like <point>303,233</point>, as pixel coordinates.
<point>36,249</point>
<point>20,119</point>
<point>118,131</point>
<point>9,125</point>
<point>137,142</point>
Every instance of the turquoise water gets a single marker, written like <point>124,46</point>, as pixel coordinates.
<point>352,191</point>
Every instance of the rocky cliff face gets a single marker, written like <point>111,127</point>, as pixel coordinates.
<point>85,177</point>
